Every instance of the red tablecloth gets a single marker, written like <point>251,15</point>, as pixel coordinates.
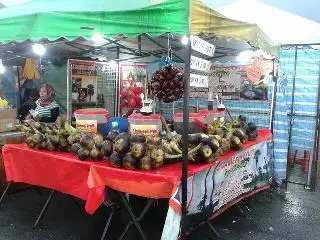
<point>59,171</point>
<point>160,183</point>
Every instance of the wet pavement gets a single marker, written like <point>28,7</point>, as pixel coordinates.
<point>276,215</point>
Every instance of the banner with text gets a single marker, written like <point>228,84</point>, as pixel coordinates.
<point>219,185</point>
<point>234,83</point>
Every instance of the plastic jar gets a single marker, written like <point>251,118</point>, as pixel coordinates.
<point>88,117</point>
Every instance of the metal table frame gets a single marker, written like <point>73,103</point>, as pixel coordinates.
<point>44,207</point>
<point>135,220</point>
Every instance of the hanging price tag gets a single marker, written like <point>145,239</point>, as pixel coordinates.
<point>197,80</point>
<point>200,64</point>
<point>202,46</point>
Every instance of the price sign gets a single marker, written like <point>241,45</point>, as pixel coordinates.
<point>200,64</point>
<point>87,125</point>
<point>147,130</point>
<point>197,80</point>
<point>202,46</point>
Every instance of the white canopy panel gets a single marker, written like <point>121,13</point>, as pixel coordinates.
<point>281,26</point>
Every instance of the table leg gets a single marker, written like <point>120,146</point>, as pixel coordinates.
<point>45,206</point>
<point>135,221</point>
<point>74,200</point>
<point>240,209</point>
<point>37,190</point>
<point>213,229</point>
<point>5,191</point>
<point>108,223</point>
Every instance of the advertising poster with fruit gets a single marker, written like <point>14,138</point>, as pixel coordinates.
<point>83,81</point>
<point>221,184</point>
<point>240,82</point>
<point>133,79</point>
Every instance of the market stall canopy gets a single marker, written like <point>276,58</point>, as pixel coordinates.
<point>281,26</point>
<point>52,20</point>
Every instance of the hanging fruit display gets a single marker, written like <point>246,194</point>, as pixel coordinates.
<point>167,83</point>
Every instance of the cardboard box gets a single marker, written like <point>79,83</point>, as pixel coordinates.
<point>8,120</point>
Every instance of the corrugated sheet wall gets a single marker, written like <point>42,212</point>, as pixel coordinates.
<point>304,105</point>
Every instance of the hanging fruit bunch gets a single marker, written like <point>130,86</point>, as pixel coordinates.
<point>130,97</point>
<point>167,83</point>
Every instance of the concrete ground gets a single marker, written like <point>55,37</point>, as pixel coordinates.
<point>276,215</point>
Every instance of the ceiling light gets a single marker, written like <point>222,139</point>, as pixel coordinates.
<point>38,49</point>
<point>112,63</point>
<point>97,38</point>
<point>245,56</point>
<point>2,68</point>
<point>184,40</point>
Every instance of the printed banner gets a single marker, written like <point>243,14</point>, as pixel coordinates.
<point>221,184</point>
<point>84,81</point>
<point>255,71</point>
<point>133,79</point>
<point>241,82</point>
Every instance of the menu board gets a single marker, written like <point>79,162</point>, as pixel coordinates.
<point>200,64</point>
<point>199,81</point>
<point>202,46</point>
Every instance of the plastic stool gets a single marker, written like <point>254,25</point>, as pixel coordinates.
<point>301,161</point>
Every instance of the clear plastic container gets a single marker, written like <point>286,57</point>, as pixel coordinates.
<point>196,121</point>
<point>145,125</point>
<point>99,115</point>
<point>212,115</point>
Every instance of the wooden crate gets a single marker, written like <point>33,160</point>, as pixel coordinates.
<point>10,138</point>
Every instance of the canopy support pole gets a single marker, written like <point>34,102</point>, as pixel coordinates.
<point>118,84</point>
<point>295,45</point>
<point>291,113</point>
<point>185,139</point>
<point>139,44</point>
<point>274,94</point>
<point>314,164</point>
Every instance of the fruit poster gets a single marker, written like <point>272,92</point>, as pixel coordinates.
<point>83,81</point>
<point>133,79</point>
<point>220,185</point>
<point>240,82</point>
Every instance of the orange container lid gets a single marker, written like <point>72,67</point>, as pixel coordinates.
<point>191,115</point>
<point>91,111</point>
<point>143,117</point>
<point>211,111</point>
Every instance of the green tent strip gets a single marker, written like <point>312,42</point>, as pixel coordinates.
<point>42,19</point>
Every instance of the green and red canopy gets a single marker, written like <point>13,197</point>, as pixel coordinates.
<point>42,19</point>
